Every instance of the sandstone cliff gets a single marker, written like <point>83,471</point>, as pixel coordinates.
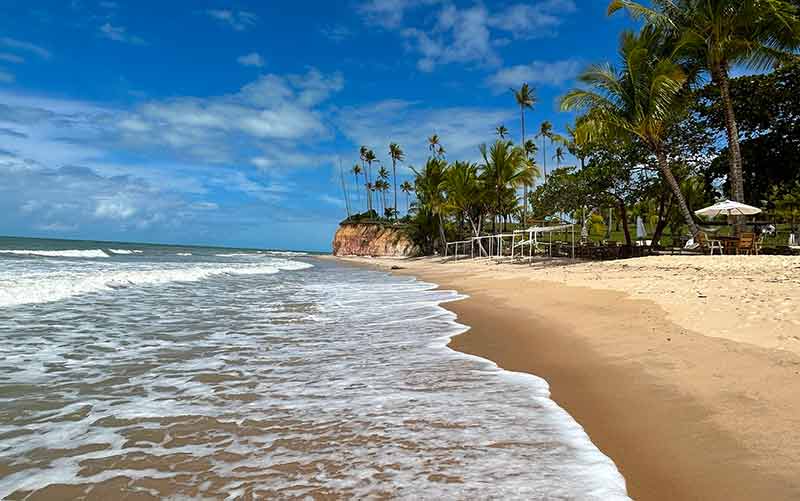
<point>371,239</point>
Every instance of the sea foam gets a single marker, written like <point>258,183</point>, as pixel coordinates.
<point>91,253</point>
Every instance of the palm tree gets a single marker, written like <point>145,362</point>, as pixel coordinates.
<point>639,102</point>
<point>716,34</point>
<point>407,188</point>
<point>505,168</point>
<point>433,143</point>
<point>559,156</point>
<point>363,155</point>
<point>501,131</point>
<point>356,170</point>
<point>369,157</point>
<point>545,132</point>
<point>525,98</point>
<point>397,155</point>
<point>429,186</point>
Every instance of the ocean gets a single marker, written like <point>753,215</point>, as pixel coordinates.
<point>169,372</point>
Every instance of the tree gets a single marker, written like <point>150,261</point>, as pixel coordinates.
<point>525,98</point>
<point>356,170</point>
<point>465,194</point>
<point>559,156</point>
<point>717,34</point>
<point>367,175</point>
<point>429,187</point>
<point>433,143</point>
<point>767,108</point>
<point>501,131</point>
<point>504,168</point>
<point>407,188</point>
<point>397,155</point>
<point>369,157</point>
<point>545,132</point>
<point>640,102</point>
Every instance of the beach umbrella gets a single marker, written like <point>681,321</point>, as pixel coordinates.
<point>641,232</point>
<point>728,208</point>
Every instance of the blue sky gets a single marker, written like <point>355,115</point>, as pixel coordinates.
<point>223,122</point>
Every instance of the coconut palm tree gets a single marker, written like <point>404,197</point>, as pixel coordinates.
<point>504,168</point>
<point>367,175</point>
<point>369,157</point>
<point>545,132</point>
<point>525,98</point>
<point>559,156</point>
<point>715,35</point>
<point>501,131</point>
<point>429,186</point>
<point>433,143</point>
<point>407,188</point>
<point>397,155</point>
<point>356,170</point>
<point>639,102</point>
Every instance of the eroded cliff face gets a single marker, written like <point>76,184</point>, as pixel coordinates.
<point>364,239</point>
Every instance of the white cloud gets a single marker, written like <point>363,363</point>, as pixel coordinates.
<point>533,20</point>
<point>120,34</point>
<point>337,33</point>
<point>117,207</point>
<point>554,73</point>
<point>459,36</point>
<point>453,34</point>
<point>252,59</point>
<point>11,58</point>
<point>238,20</point>
<point>21,45</point>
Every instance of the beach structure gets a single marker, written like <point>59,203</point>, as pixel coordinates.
<point>518,245</point>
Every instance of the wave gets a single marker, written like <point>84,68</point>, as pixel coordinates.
<point>92,253</point>
<point>125,251</point>
<point>18,288</point>
<point>239,254</point>
<point>286,253</point>
<point>183,254</point>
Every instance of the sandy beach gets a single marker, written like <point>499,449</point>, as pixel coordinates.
<point>684,370</point>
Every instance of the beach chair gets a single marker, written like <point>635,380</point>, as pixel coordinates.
<point>709,245</point>
<point>745,244</point>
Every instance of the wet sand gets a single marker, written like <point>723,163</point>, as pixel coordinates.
<point>668,388</point>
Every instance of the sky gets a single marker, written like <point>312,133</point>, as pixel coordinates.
<point>224,123</point>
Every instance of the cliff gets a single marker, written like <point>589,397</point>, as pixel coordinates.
<point>371,239</point>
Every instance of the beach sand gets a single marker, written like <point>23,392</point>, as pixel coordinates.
<point>684,370</point>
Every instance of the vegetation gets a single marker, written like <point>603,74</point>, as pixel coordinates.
<point>663,132</point>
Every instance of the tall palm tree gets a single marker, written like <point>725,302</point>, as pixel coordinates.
<point>525,98</point>
<point>640,102</point>
<point>363,155</point>
<point>356,170</point>
<point>545,132</point>
<point>715,35</point>
<point>501,131</point>
<point>429,186</point>
<point>407,188</point>
<point>559,156</point>
<point>369,157</point>
<point>433,143</point>
<point>383,186</point>
<point>440,151</point>
<point>504,168</point>
<point>397,155</point>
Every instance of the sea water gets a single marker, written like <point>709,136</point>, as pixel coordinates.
<point>185,372</point>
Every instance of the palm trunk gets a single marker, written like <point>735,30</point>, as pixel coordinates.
<point>394,185</point>
<point>525,186</point>
<point>623,217</point>
<point>663,166</point>
<point>663,209</point>
<point>366,188</point>
<point>720,76</point>
<point>544,157</point>
<point>442,236</point>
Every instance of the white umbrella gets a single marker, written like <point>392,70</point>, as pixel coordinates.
<point>728,208</point>
<point>641,232</point>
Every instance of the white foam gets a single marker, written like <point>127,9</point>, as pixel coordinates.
<point>126,251</point>
<point>21,286</point>
<point>93,253</point>
<point>183,254</point>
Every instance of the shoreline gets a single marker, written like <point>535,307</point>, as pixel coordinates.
<point>682,415</point>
